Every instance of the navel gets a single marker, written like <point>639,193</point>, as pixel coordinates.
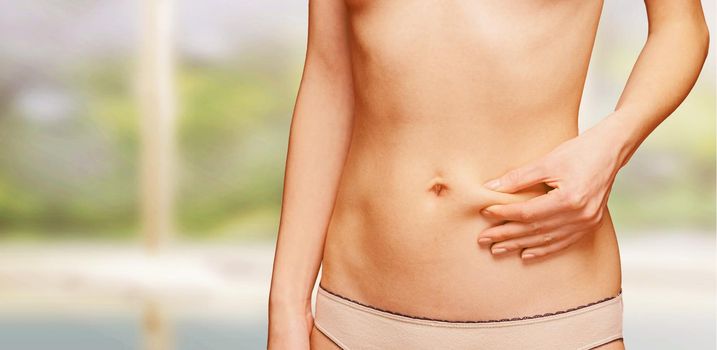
<point>438,186</point>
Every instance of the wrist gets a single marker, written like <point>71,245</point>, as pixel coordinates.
<point>619,137</point>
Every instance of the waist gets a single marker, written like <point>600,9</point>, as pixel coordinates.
<point>404,234</point>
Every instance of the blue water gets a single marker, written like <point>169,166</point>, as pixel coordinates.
<point>125,333</point>
<point>64,334</point>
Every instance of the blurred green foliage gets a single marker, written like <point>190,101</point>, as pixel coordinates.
<point>233,137</point>
<point>670,181</point>
<point>70,171</point>
<point>76,174</point>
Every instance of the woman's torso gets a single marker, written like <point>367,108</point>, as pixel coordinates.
<point>448,95</point>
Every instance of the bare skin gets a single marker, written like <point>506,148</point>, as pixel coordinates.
<point>401,120</point>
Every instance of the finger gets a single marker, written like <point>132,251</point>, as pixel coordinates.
<point>518,178</point>
<point>519,243</point>
<point>562,244</point>
<point>515,229</point>
<point>536,208</point>
<point>560,232</point>
<point>509,230</point>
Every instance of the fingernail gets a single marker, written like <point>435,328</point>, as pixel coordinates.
<point>485,240</point>
<point>499,250</point>
<point>492,184</point>
<point>528,256</point>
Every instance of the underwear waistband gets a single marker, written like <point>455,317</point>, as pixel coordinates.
<point>473,323</point>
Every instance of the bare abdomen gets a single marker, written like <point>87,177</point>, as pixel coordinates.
<point>403,237</point>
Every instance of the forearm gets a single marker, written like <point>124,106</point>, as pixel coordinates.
<point>318,143</point>
<point>665,72</point>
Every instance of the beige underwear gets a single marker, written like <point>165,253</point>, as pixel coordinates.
<point>353,325</point>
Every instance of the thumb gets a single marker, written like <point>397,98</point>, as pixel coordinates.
<point>517,179</point>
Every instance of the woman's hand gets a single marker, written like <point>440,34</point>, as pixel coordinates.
<point>581,171</point>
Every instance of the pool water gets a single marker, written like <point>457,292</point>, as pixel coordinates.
<point>125,333</point>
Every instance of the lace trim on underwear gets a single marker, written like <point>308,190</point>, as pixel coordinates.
<point>478,321</point>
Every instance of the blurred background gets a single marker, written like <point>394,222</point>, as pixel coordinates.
<point>142,149</point>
